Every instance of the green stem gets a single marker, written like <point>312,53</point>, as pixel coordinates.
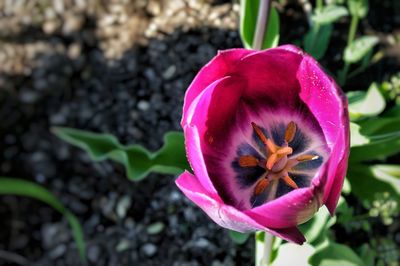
<point>261,26</point>
<point>316,28</point>
<point>352,30</point>
<point>343,73</point>
<point>350,39</point>
<point>320,4</point>
<point>263,249</point>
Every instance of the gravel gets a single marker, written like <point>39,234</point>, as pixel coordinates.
<point>120,69</point>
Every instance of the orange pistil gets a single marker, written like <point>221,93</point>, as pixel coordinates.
<point>248,161</point>
<point>289,181</point>
<point>276,154</point>
<point>261,186</point>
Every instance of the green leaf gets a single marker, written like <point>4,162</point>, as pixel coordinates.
<point>315,228</point>
<point>356,138</point>
<point>138,162</point>
<point>329,14</point>
<point>382,138</point>
<point>20,187</point>
<point>317,40</point>
<point>365,104</point>
<point>366,181</point>
<point>346,190</point>
<point>378,149</point>
<point>248,21</point>
<point>368,255</point>
<point>359,48</point>
<point>358,8</point>
<point>389,174</point>
<point>335,254</point>
<point>238,238</point>
<point>380,126</point>
<point>393,112</point>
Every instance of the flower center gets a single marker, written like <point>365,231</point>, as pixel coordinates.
<point>276,163</point>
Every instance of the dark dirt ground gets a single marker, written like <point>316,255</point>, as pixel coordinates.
<point>120,68</point>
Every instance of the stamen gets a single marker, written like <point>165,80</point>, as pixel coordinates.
<point>285,151</point>
<point>259,133</point>
<point>289,181</point>
<point>271,146</point>
<point>248,161</point>
<point>261,186</point>
<point>290,131</point>
<point>271,160</point>
<point>307,157</point>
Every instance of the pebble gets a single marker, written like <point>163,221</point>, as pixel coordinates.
<point>149,249</point>
<point>123,205</point>
<point>155,228</point>
<point>29,96</point>
<point>143,105</point>
<point>169,72</point>
<point>57,252</point>
<point>123,245</point>
<point>93,253</point>
<point>72,23</point>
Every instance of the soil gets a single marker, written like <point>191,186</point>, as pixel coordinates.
<point>120,68</point>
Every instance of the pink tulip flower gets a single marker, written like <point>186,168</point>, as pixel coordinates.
<point>267,137</point>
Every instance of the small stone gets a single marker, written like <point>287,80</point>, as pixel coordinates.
<point>149,249</point>
<point>57,252</point>
<point>73,23</point>
<point>154,7</point>
<point>143,105</point>
<point>175,196</point>
<point>202,243</point>
<point>169,72</point>
<point>29,96</point>
<point>155,228</point>
<point>123,205</point>
<point>189,215</point>
<point>58,119</point>
<point>50,26</point>
<point>93,253</point>
<point>123,245</point>
<point>74,50</point>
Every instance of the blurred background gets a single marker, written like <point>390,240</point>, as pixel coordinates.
<point>122,67</point>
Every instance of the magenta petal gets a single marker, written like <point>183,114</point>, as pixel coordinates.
<point>320,93</point>
<point>213,110</point>
<point>271,77</point>
<point>291,48</point>
<point>338,170</point>
<point>222,214</point>
<point>217,68</point>
<point>289,210</point>
<point>193,148</point>
<point>292,234</point>
<point>227,216</point>
<point>334,194</point>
